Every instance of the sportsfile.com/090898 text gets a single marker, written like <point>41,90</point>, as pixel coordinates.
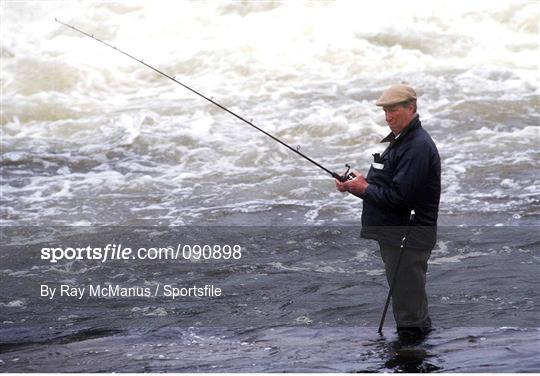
<point>118,252</point>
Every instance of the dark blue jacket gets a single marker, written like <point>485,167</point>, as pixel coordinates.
<point>410,179</point>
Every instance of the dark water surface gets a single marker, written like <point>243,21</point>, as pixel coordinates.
<point>299,299</point>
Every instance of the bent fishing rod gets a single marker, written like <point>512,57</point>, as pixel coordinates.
<point>342,178</point>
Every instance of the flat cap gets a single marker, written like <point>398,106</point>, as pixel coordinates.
<point>396,94</point>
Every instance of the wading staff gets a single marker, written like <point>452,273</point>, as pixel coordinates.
<point>396,270</point>
<point>342,178</point>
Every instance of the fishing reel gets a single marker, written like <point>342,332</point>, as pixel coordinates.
<point>346,176</point>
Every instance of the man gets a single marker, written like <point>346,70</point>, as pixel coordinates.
<point>405,179</point>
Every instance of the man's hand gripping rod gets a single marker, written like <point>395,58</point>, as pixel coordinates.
<point>342,178</point>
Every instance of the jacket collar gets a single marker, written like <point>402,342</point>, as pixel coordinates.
<point>414,124</point>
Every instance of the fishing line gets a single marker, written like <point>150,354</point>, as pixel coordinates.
<point>346,176</point>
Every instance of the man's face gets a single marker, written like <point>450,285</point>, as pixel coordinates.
<point>398,117</point>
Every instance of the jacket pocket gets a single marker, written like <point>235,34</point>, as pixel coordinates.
<point>380,176</point>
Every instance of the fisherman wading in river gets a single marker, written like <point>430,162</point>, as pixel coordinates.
<point>405,179</point>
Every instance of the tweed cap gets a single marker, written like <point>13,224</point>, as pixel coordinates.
<point>396,94</point>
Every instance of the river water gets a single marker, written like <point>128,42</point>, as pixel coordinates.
<point>96,147</point>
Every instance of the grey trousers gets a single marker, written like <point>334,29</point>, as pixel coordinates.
<point>409,299</point>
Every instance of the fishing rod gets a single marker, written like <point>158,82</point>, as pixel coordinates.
<point>342,178</point>
<point>396,270</point>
